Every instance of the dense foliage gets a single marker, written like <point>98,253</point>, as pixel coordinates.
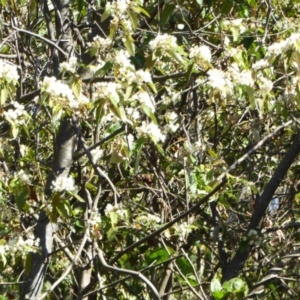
<point>148,149</point>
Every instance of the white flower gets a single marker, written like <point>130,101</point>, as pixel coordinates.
<point>115,208</point>
<point>16,115</point>
<point>172,127</point>
<point>220,80</point>
<point>119,7</point>
<point>163,42</point>
<point>106,90</point>
<point>153,218</point>
<point>97,154</point>
<point>122,59</point>
<point>100,44</point>
<point>278,48</point>
<point>60,93</point>
<point>145,99</point>
<point>143,76</point>
<point>130,140</point>
<point>8,72</point>
<point>171,116</point>
<point>63,184</point>
<point>24,176</point>
<point>242,78</point>
<point>260,64</point>
<point>109,208</point>
<point>69,66</point>
<point>265,85</point>
<point>133,113</point>
<point>201,53</point>
<point>152,130</point>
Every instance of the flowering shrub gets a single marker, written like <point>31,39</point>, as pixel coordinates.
<point>158,159</point>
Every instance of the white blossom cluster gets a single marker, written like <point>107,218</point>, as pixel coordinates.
<point>69,66</point>
<point>19,245</point>
<point>235,23</point>
<point>151,129</point>
<point>126,71</point>
<point>219,80</point>
<point>201,54</point>
<point>260,64</point>
<point>281,47</point>
<point>122,213</point>
<point>119,7</point>
<point>130,140</point>
<point>265,85</point>
<point>171,118</point>
<point>8,72</point>
<point>153,218</point>
<point>163,42</point>
<point>94,217</point>
<point>133,113</point>
<point>101,44</point>
<point>145,98</point>
<point>23,176</point>
<point>62,183</point>
<point>60,93</point>
<point>183,230</point>
<point>243,77</point>
<point>107,90</point>
<point>17,114</point>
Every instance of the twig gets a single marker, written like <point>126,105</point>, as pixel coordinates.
<point>257,146</point>
<point>90,157</point>
<point>124,271</point>
<point>70,267</point>
<point>171,223</point>
<point>37,36</point>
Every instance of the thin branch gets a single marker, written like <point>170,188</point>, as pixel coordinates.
<point>124,271</point>
<point>257,146</point>
<point>171,223</point>
<point>37,36</point>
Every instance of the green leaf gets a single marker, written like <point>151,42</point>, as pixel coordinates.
<point>235,33</point>
<point>112,31</point>
<point>129,45</point>
<point>189,71</point>
<point>166,13</point>
<point>63,208</point>
<point>111,129</point>
<point>111,233</point>
<point>76,196</point>
<point>235,285</point>
<point>3,96</point>
<point>116,158</point>
<point>150,61</point>
<point>215,285</point>
<point>28,263</point>
<point>149,113</point>
<point>102,71</point>
<point>80,5</point>
<point>134,19</point>
<point>158,255</point>
<point>105,15</point>
<point>21,192</point>
<point>141,10</point>
<point>184,266</point>
<point>137,146</point>
<point>76,87</point>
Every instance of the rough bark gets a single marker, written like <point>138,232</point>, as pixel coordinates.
<point>33,281</point>
<point>64,145</point>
